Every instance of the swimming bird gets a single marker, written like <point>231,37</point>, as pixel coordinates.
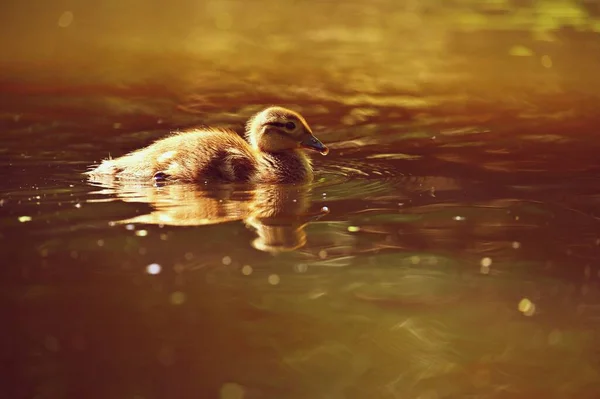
<point>273,151</point>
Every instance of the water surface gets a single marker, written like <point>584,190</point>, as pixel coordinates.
<point>448,247</point>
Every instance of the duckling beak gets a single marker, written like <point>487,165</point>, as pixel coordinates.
<point>313,143</point>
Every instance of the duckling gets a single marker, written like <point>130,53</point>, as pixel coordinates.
<point>273,152</point>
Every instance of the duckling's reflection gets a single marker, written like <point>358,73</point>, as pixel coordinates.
<point>278,213</point>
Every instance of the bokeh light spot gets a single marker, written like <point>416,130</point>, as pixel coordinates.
<point>527,307</point>
<point>247,270</point>
<point>274,279</point>
<point>153,268</point>
<point>65,19</point>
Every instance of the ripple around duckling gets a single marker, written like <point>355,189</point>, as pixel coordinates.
<point>376,179</point>
<point>341,179</point>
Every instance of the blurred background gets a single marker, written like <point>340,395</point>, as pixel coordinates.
<point>132,63</point>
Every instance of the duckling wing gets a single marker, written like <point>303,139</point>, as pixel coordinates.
<point>190,156</point>
<point>238,165</point>
<point>210,155</point>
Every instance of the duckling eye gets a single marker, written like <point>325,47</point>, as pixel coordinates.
<point>290,126</point>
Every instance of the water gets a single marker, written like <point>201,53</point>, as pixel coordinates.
<point>448,247</point>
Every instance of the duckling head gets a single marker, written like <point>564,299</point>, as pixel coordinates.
<point>278,129</point>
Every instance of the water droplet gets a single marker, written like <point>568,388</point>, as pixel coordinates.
<point>353,229</point>
<point>524,304</point>
<point>141,233</point>
<point>526,307</point>
<point>226,260</point>
<point>24,219</point>
<point>274,279</point>
<point>247,270</point>
<point>153,268</point>
<point>486,262</point>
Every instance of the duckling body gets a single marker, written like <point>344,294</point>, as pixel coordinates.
<point>272,153</point>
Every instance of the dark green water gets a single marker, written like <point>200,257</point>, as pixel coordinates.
<point>448,248</point>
